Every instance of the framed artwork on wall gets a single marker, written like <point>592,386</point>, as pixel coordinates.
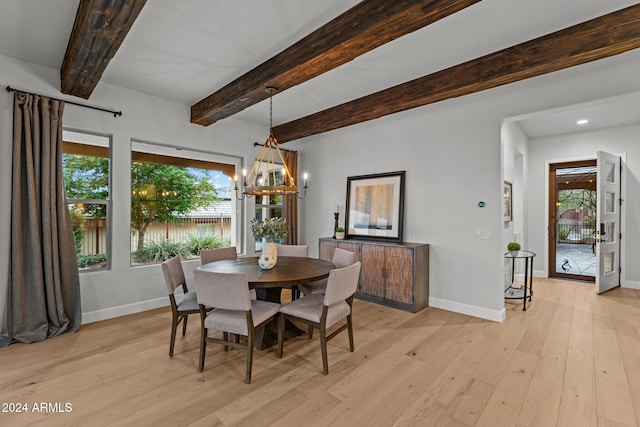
<point>375,206</point>
<point>508,202</point>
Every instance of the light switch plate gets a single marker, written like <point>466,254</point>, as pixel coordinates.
<point>483,233</point>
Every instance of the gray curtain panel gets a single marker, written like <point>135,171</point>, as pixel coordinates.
<point>44,287</point>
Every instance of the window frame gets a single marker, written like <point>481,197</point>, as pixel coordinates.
<point>192,156</point>
<point>79,136</point>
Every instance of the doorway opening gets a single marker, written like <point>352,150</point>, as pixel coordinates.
<point>572,220</point>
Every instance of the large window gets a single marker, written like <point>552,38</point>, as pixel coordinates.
<point>86,170</point>
<point>181,202</point>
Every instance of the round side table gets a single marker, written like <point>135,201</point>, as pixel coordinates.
<point>526,291</point>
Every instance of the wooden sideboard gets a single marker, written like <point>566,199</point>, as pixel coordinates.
<point>393,274</point>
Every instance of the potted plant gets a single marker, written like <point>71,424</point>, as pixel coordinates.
<point>270,230</point>
<point>513,247</point>
<point>340,233</point>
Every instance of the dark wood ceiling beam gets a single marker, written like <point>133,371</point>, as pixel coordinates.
<point>592,40</point>
<point>362,28</point>
<point>98,31</point>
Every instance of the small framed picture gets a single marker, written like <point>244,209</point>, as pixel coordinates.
<point>508,202</point>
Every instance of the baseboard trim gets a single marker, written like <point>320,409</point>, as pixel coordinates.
<point>123,310</point>
<point>631,285</point>
<point>470,310</point>
<point>539,273</point>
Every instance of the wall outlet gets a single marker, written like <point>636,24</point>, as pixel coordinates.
<point>483,233</point>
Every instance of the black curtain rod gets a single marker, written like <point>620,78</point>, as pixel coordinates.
<point>257,144</point>
<point>115,113</point>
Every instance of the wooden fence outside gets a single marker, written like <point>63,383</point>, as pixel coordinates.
<point>95,232</point>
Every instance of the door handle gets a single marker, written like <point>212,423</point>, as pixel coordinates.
<point>602,230</point>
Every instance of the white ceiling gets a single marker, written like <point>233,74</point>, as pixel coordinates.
<point>185,50</point>
<point>602,113</point>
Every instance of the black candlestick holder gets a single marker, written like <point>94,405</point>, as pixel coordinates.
<point>336,215</point>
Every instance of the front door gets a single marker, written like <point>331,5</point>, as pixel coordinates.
<point>608,220</point>
<point>572,220</point>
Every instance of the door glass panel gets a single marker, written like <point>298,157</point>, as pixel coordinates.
<point>575,221</point>
<point>608,262</point>
<point>610,229</point>
<point>610,202</point>
<point>611,173</point>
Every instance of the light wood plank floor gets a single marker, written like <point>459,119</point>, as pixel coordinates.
<point>573,359</point>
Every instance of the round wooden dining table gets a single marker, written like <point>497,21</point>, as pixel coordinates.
<point>289,271</point>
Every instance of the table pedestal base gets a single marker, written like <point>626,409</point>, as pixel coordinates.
<point>268,336</point>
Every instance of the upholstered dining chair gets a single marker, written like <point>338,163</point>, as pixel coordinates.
<point>294,251</point>
<point>341,258</point>
<point>185,304</point>
<point>324,311</point>
<point>211,255</point>
<point>234,313</point>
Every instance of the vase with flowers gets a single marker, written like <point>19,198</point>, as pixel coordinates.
<point>270,230</point>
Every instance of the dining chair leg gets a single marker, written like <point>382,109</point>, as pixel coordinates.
<point>174,326</point>
<point>184,324</point>
<point>323,349</point>
<point>310,331</point>
<point>280,334</point>
<point>249,357</point>
<point>203,348</point>
<point>350,331</point>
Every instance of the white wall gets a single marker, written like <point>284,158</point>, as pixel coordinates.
<point>123,289</point>
<point>452,154</point>
<point>624,139</point>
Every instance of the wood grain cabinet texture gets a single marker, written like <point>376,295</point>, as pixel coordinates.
<point>393,274</point>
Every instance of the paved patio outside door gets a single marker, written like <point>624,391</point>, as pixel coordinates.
<point>575,259</point>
